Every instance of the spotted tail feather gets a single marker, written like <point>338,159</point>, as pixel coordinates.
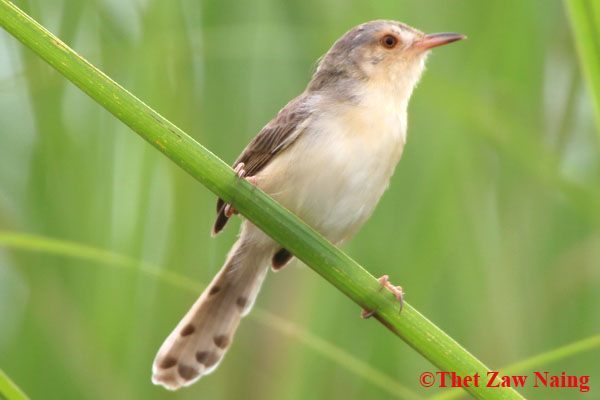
<point>199,342</point>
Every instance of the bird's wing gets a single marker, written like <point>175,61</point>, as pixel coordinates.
<point>276,136</point>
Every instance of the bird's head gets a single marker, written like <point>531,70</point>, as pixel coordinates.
<point>387,55</point>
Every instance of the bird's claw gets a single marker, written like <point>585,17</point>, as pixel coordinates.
<point>397,291</point>
<point>239,170</point>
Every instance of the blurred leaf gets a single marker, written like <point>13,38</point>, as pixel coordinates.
<point>585,23</point>
<point>9,390</point>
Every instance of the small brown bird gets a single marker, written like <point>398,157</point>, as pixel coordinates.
<point>328,157</point>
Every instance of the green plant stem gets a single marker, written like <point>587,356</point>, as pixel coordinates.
<point>585,23</point>
<point>65,248</point>
<point>287,229</point>
<point>9,390</point>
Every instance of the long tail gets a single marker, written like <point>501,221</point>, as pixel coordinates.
<point>200,340</point>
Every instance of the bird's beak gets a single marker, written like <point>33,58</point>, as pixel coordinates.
<point>437,39</point>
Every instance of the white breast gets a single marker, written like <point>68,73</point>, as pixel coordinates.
<point>336,172</point>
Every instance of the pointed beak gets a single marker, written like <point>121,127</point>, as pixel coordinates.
<point>432,40</point>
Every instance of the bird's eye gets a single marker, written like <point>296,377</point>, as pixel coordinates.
<point>389,41</point>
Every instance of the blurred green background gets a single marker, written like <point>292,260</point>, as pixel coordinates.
<point>491,223</point>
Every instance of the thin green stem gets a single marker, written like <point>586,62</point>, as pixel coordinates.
<point>64,248</point>
<point>9,390</point>
<point>287,229</point>
<point>569,350</point>
<point>560,353</point>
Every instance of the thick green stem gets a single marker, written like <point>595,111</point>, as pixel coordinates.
<point>287,229</point>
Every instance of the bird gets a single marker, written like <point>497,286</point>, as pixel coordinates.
<point>327,156</point>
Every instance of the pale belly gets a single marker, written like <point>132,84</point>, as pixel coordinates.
<point>334,179</point>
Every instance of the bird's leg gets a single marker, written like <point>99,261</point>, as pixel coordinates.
<point>241,173</point>
<point>396,291</point>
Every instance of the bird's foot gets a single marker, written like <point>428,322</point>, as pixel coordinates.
<point>396,291</point>
<point>241,173</point>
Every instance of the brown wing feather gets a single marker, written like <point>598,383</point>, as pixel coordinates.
<point>275,137</point>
